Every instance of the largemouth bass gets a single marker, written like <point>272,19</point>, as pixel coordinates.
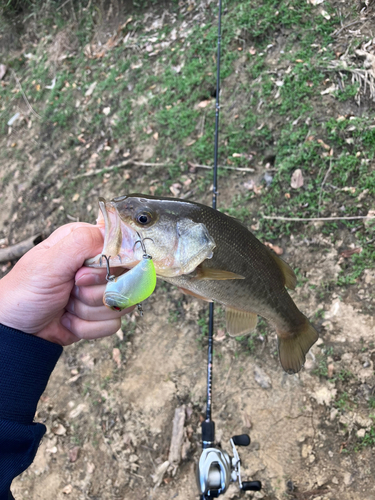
<point>211,256</point>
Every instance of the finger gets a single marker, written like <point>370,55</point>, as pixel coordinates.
<point>88,313</point>
<point>90,329</point>
<point>89,295</point>
<point>69,253</point>
<point>87,276</point>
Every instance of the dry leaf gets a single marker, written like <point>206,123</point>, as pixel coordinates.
<point>3,70</point>
<point>175,189</point>
<point>204,104</point>
<point>68,489</point>
<point>297,179</point>
<point>152,190</point>
<point>116,355</point>
<point>75,197</point>
<point>348,253</point>
<point>106,111</point>
<point>220,335</point>
<point>73,454</point>
<point>246,420</point>
<point>90,90</point>
<point>190,143</point>
<point>156,136</point>
<point>325,15</point>
<point>252,51</point>
<point>275,248</point>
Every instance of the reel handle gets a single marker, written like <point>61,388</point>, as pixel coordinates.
<point>241,440</point>
<point>251,486</point>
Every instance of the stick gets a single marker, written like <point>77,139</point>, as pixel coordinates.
<point>120,165</point>
<point>194,165</point>
<point>317,218</point>
<point>16,251</point>
<point>174,457</point>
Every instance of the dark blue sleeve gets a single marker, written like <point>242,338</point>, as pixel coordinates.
<point>26,362</point>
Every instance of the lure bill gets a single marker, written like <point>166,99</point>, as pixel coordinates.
<point>132,287</point>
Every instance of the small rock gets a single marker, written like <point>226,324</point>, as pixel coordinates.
<point>335,480</point>
<point>333,414</point>
<point>361,433</point>
<point>262,378</point>
<point>68,489</point>
<point>59,430</point>
<point>348,478</point>
<point>77,411</point>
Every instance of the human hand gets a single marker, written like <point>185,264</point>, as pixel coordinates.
<point>49,294</point>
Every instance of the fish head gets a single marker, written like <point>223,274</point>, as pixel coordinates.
<point>164,228</point>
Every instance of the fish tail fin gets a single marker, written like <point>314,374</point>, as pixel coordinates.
<point>294,346</point>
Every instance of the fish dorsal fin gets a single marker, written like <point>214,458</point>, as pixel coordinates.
<point>240,322</point>
<point>209,273</point>
<point>290,279</point>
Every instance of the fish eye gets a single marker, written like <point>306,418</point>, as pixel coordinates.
<point>144,218</point>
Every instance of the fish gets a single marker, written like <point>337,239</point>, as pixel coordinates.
<point>213,257</point>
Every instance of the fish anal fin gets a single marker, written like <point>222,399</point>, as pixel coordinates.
<point>240,322</point>
<point>189,292</point>
<point>293,346</point>
<point>287,272</point>
<point>208,273</point>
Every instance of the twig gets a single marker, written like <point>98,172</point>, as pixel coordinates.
<point>194,165</point>
<point>144,164</point>
<point>317,218</point>
<point>120,165</point>
<point>24,96</point>
<point>16,251</point>
<point>335,33</point>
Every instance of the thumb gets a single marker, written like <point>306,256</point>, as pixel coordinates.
<point>68,254</point>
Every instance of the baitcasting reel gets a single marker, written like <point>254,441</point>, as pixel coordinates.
<point>216,469</point>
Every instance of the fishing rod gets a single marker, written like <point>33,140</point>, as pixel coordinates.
<point>216,469</point>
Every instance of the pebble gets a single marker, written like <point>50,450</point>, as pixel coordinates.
<point>262,378</point>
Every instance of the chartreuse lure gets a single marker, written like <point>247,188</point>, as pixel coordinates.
<point>132,287</point>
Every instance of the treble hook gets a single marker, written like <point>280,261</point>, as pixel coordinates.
<point>141,242</point>
<point>109,276</point>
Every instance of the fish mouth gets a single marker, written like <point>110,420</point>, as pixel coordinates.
<point>119,239</point>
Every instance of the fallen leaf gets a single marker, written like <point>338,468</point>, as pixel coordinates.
<point>175,189</point>
<point>3,70</point>
<point>187,182</point>
<point>156,136</point>
<point>237,155</point>
<point>275,248</point>
<point>297,179</point>
<point>90,90</point>
<point>68,489</point>
<point>116,355</point>
<point>249,185</point>
<point>325,15</point>
<point>190,143</point>
<point>246,420</point>
<point>106,111</point>
<point>325,146</point>
<point>252,51</point>
<point>152,190</point>
<point>204,104</point>
<point>75,197</point>
<point>220,335</point>
<point>73,454</point>
<point>351,251</point>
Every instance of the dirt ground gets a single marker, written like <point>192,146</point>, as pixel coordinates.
<point>110,403</point>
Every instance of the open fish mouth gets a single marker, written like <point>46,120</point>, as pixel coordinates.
<point>119,239</point>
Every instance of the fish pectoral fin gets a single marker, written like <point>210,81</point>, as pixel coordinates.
<point>240,322</point>
<point>290,280</point>
<point>294,346</point>
<point>189,292</point>
<point>208,273</point>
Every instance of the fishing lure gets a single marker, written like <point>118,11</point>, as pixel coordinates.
<point>132,287</point>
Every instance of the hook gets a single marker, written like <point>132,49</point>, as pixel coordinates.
<point>109,277</point>
<point>141,242</point>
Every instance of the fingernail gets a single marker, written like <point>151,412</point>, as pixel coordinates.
<point>79,279</point>
<point>65,321</point>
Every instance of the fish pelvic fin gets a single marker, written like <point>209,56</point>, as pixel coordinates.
<point>290,280</point>
<point>240,322</point>
<point>293,347</point>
